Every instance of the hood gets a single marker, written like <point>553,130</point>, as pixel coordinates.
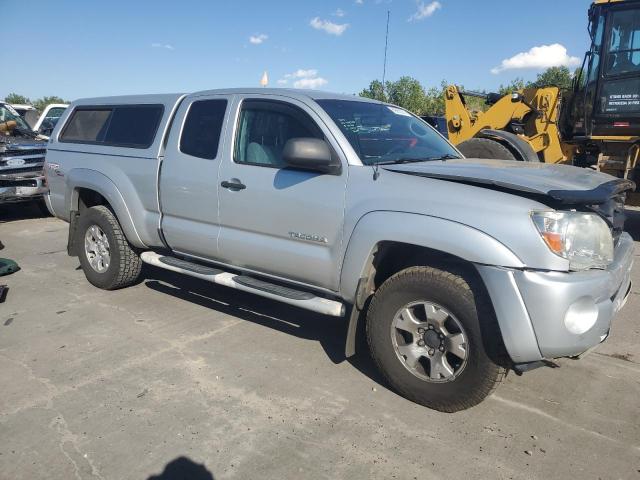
<point>563,183</point>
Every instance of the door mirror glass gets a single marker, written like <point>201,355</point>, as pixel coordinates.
<point>310,154</point>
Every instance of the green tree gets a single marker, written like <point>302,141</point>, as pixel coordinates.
<point>515,84</point>
<point>554,76</point>
<point>407,93</point>
<point>15,98</point>
<point>41,103</point>
<point>375,91</point>
<point>434,100</point>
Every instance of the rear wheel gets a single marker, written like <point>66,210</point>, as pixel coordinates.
<point>107,259</point>
<point>434,339</point>
<point>485,148</point>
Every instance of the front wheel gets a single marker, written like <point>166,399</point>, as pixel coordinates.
<point>107,259</point>
<point>434,339</point>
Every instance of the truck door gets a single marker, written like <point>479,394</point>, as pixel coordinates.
<point>274,220</point>
<point>188,183</point>
<point>585,84</point>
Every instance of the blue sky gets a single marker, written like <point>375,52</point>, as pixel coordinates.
<point>80,48</point>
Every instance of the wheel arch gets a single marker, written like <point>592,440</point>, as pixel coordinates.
<point>408,235</point>
<point>87,188</point>
<point>374,254</point>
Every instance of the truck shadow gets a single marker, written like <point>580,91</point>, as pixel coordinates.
<point>21,211</point>
<point>330,332</point>
<point>183,468</point>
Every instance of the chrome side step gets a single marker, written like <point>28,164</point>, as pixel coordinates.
<point>282,294</point>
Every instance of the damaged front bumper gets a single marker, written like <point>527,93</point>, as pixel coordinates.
<point>545,315</point>
<point>22,187</point>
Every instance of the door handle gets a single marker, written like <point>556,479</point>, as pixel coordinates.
<point>233,184</point>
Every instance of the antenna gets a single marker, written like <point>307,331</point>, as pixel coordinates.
<point>376,167</point>
<point>386,45</point>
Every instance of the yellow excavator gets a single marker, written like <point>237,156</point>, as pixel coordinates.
<point>595,124</point>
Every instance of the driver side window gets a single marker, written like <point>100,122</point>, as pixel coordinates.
<point>265,127</point>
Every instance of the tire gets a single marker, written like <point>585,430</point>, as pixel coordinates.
<point>469,317</point>
<point>485,148</point>
<point>123,266</point>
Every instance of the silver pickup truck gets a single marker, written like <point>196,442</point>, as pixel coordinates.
<point>462,269</point>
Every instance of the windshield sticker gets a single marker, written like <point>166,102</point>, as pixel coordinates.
<point>399,111</point>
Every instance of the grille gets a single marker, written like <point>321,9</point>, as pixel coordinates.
<point>30,169</point>
<point>18,183</point>
<point>23,152</point>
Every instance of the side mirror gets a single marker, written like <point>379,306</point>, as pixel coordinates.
<point>310,154</point>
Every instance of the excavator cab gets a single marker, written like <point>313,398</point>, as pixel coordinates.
<point>605,98</point>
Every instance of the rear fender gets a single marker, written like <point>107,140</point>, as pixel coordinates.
<point>78,178</point>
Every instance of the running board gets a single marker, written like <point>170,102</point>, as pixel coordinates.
<point>273,291</point>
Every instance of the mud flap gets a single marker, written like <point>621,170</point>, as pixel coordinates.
<point>72,247</point>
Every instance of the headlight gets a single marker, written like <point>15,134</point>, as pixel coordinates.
<point>582,238</point>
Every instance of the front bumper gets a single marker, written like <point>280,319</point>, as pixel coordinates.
<point>534,308</point>
<point>21,188</point>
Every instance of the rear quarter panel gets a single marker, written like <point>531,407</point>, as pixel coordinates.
<point>115,172</point>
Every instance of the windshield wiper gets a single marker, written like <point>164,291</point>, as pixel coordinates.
<point>447,156</point>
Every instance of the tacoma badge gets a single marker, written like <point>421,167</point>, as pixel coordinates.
<point>308,237</point>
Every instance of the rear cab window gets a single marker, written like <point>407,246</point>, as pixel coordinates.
<point>202,128</point>
<point>131,126</point>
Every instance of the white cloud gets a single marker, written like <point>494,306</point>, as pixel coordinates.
<point>329,27</point>
<point>312,72</point>
<point>311,83</point>
<point>304,79</point>
<point>425,10</point>
<point>359,2</point>
<point>258,39</point>
<point>162,45</point>
<point>541,57</point>
<point>339,13</point>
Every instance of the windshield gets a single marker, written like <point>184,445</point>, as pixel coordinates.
<point>624,45</point>
<point>8,113</point>
<point>382,133</point>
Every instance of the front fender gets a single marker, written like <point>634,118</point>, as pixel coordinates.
<point>92,180</point>
<point>435,233</point>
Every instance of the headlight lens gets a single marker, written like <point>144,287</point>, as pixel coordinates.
<point>582,238</point>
